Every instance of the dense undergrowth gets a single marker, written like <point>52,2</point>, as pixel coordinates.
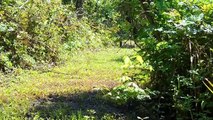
<point>36,32</point>
<point>175,40</point>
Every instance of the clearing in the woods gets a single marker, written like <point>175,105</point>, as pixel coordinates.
<point>72,90</point>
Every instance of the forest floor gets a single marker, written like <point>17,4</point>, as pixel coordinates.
<point>72,90</point>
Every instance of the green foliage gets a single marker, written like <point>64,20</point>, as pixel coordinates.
<point>102,11</point>
<point>129,91</point>
<point>38,32</point>
<point>29,34</point>
<point>126,93</point>
<point>137,70</point>
<point>180,58</point>
<point>81,36</point>
<point>175,38</point>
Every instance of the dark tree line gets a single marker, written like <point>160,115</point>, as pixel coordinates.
<point>78,6</point>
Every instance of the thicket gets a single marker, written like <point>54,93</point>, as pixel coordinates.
<point>175,41</point>
<point>36,32</point>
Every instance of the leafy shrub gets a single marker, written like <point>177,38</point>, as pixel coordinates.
<point>175,39</point>
<point>129,91</point>
<point>181,59</point>
<point>38,32</point>
<point>29,34</point>
<point>81,36</point>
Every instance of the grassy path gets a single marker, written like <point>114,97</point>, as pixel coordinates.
<point>68,91</point>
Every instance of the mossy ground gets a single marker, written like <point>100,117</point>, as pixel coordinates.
<point>72,90</point>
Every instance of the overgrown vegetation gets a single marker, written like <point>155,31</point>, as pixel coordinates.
<point>36,32</point>
<point>175,39</point>
<point>170,76</point>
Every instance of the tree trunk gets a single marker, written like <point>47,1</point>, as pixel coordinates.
<point>79,8</point>
<point>66,2</point>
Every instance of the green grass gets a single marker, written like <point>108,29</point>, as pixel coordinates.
<point>67,91</point>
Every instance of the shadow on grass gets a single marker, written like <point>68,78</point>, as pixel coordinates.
<point>120,60</point>
<point>75,106</point>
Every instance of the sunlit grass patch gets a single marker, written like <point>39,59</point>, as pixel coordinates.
<point>84,72</point>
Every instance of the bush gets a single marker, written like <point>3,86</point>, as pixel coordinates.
<point>175,38</point>
<point>130,91</point>
<point>29,34</point>
<point>37,32</point>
